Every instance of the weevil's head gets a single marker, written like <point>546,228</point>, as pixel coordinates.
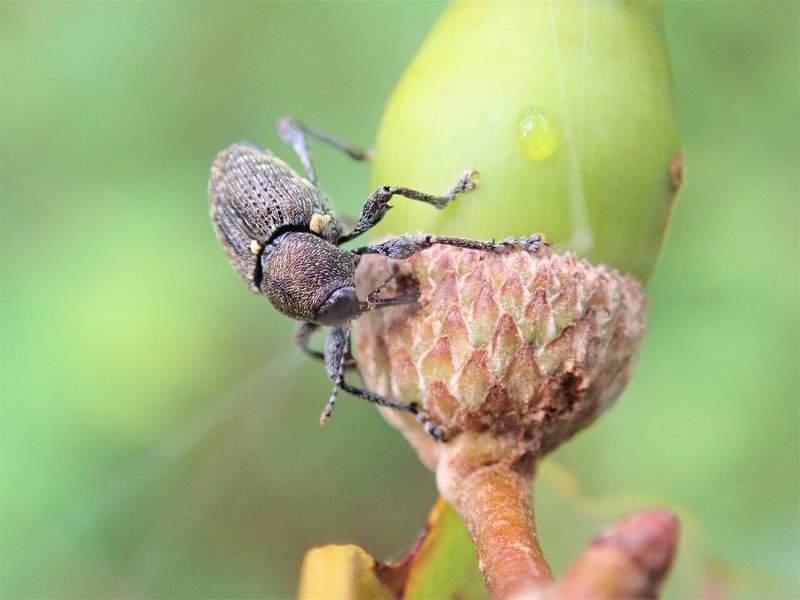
<point>341,306</point>
<point>309,279</point>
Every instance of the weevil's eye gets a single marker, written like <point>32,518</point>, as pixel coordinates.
<point>341,306</point>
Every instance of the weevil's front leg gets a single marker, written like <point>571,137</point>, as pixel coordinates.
<point>405,245</point>
<point>377,205</point>
<point>296,135</point>
<point>336,347</point>
<point>302,335</point>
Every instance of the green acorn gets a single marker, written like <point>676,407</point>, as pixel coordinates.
<point>566,110</point>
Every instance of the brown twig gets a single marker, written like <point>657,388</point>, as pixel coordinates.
<point>495,504</point>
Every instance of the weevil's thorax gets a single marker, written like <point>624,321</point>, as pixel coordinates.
<point>301,271</point>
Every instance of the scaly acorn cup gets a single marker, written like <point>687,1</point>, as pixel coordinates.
<point>566,111</point>
<point>527,347</point>
<point>510,354</point>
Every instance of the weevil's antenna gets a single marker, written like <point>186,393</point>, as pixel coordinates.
<point>375,303</point>
<point>373,296</point>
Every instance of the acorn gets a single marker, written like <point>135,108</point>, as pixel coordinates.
<point>509,354</point>
<point>568,113</point>
<point>520,346</point>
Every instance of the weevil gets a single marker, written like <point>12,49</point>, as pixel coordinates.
<point>282,236</point>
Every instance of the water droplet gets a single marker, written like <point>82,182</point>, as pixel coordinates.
<point>536,135</point>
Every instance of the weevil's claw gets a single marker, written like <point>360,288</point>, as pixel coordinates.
<point>428,425</point>
<point>326,413</point>
<point>532,243</point>
<point>466,182</point>
<point>436,432</point>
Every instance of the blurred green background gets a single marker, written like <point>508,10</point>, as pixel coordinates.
<point>160,435</point>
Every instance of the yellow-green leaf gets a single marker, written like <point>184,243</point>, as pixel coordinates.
<point>445,566</point>
<point>342,572</point>
<point>441,564</point>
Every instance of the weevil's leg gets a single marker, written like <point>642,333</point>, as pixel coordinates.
<point>296,135</point>
<point>302,335</point>
<point>352,151</point>
<point>291,133</point>
<point>336,347</point>
<point>377,205</point>
<point>411,407</point>
<point>405,245</point>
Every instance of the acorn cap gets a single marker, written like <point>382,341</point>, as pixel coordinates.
<point>510,353</point>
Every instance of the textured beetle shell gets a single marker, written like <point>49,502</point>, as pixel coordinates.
<point>254,195</point>
<point>296,284</point>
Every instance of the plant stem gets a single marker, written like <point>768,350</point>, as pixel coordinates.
<point>496,506</point>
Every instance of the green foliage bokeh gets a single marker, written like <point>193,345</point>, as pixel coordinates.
<point>159,433</point>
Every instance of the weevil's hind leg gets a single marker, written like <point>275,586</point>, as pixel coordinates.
<point>336,347</point>
<point>352,151</point>
<point>296,135</point>
<point>302,335</point>
<point>377,205</point>
<point>405,245</point>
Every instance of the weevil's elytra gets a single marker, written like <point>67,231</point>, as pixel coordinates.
<point>281,235</point>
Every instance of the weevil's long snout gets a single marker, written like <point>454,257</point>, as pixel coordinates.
<point>343,305</point>
<point>375,303</point>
